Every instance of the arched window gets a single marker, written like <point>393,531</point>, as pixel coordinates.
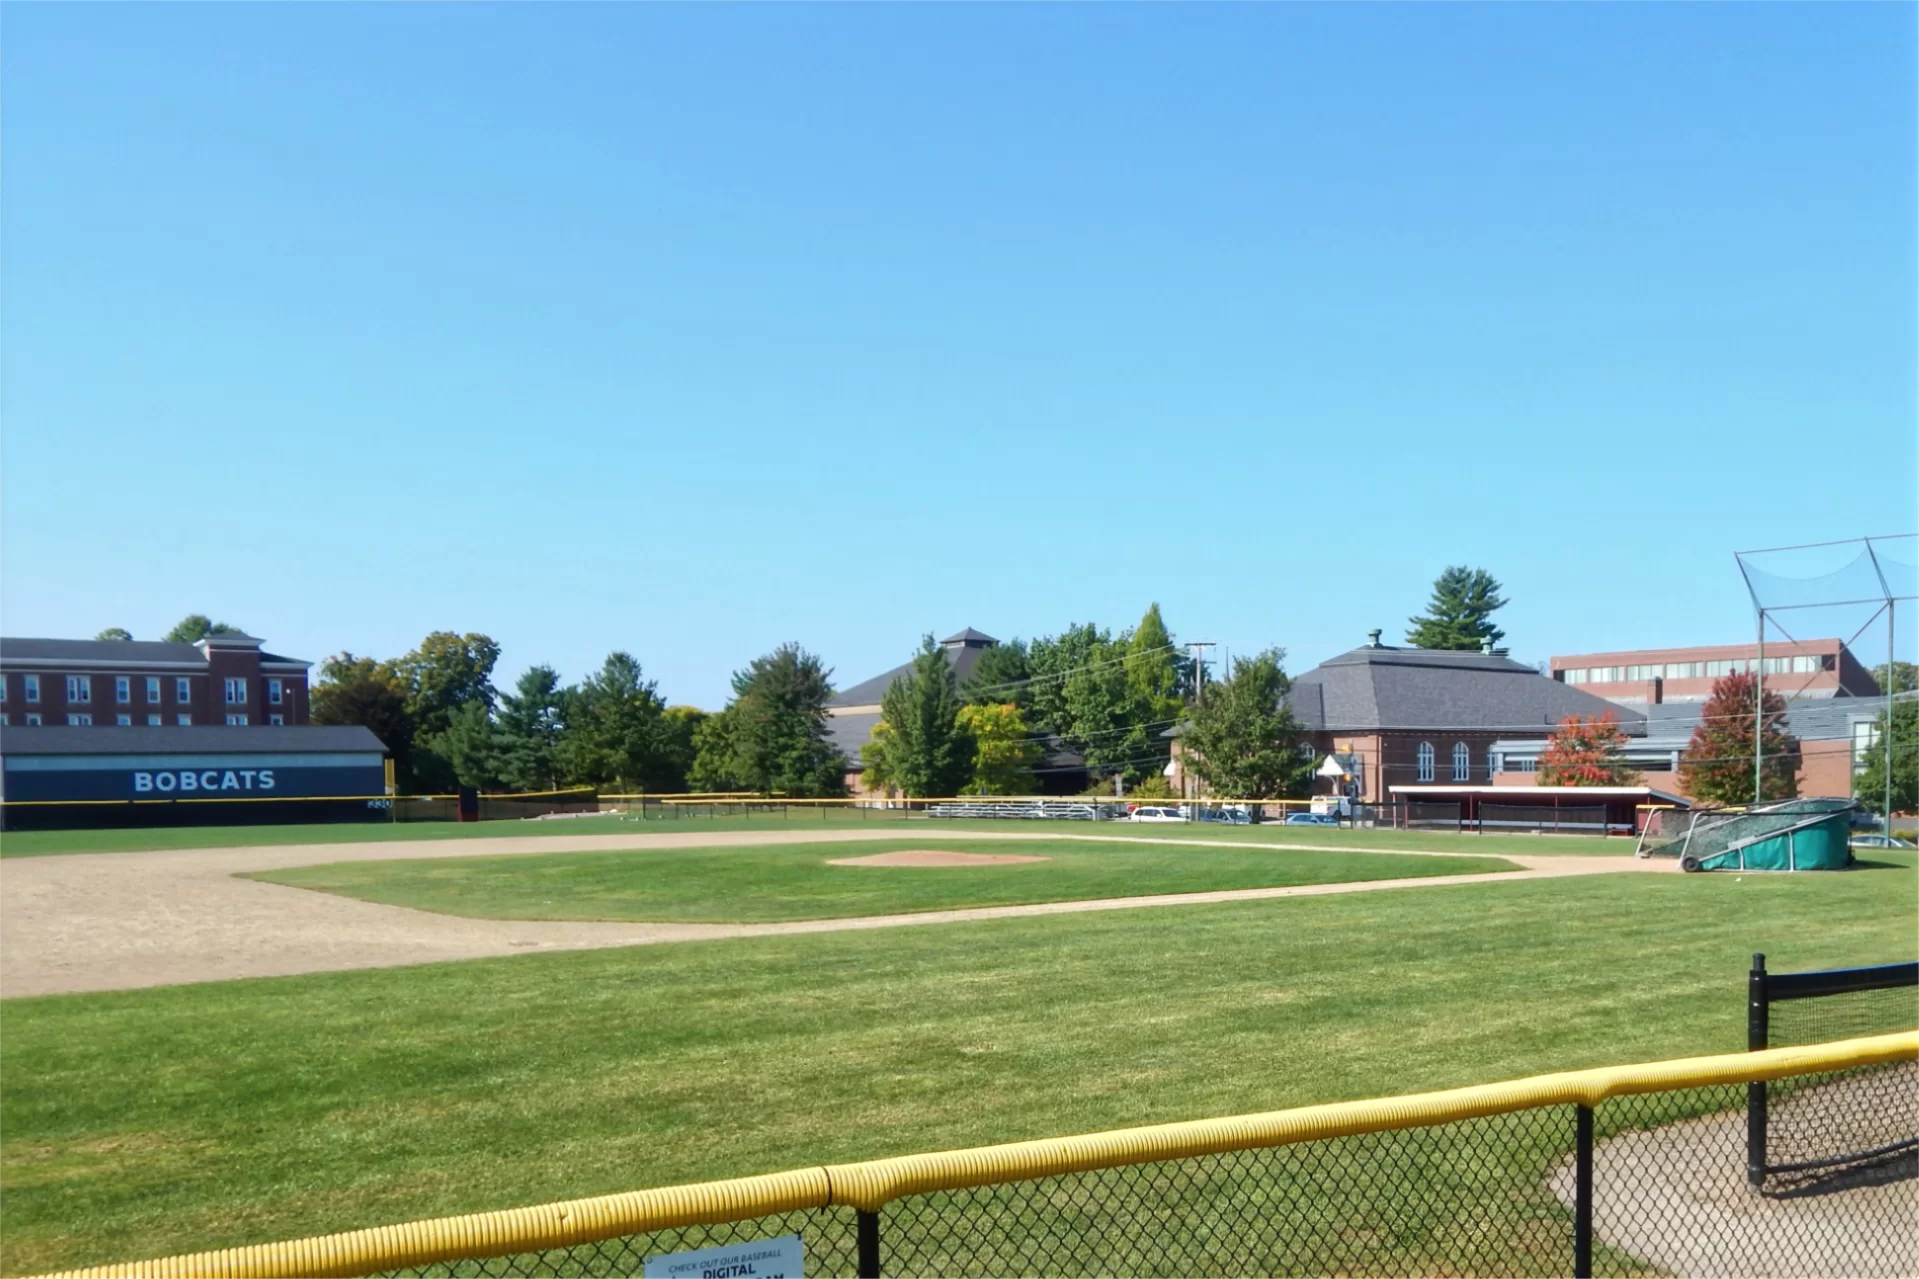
<point>1462,762</point>
<point>1425,761</point>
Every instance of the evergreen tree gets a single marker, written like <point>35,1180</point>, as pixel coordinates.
<point>1869,784</point>
<point>1586,752</point>
<point>780,742</point>
<point>1717,767</point>
<point>1052,660</point>
<point>924,751</point>
<point>1459,616</point>
<point>469,747</point>
<point>1243,741</point>
<point>1004,752</point>
<point>528,731</point>
<point>613,729</point>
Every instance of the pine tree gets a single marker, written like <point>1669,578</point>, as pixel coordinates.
<point>1586,752</point>
<point>1717,767</point>
<point>613,728</point>
<point>528,730</point>
<point>1459,616</point>
<point>780,742</point>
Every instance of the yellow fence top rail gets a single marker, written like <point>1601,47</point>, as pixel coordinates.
<point>869,1186</point>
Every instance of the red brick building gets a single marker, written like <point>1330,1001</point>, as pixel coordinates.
<point>223,679</point>
<point>1649,676</point>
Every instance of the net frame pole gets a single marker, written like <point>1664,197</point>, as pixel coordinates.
<point>1758,1033</point>
<point>1759,688</point>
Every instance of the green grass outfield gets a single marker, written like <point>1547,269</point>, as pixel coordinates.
<point>761,885</point>
<point>147,1122</point>
<point>154,839</point>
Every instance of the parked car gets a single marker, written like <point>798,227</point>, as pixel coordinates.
<point>1311,819</point>
<point>1229,816</point>
<point>1880,841</point>
<point>1154,813</point>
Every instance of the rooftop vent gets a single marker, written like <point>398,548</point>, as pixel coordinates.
<point>1372,638</point>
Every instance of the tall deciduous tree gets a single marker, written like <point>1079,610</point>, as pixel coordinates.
<point>527,734</point>
<point>715,766</point>
<point>1243,741</point>
<point>115,633</point>
<point>1004,752</point>
<point>1000,676</point>
<point>780,742</point>
<point>924,750</point>
<point>679,732</point>
<point>444,673</point>
<point>1903,741</point>
<point>1586,751</point>
<point>360,690</point>
<point>1459,615</point>
<point>613,728</point>
<point>195,627</point>
<point>1896,677</point>
<point>1717,767</point>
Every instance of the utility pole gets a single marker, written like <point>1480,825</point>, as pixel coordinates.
<point>1199,669</point>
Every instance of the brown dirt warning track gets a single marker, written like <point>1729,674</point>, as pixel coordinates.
<point>120,921</point>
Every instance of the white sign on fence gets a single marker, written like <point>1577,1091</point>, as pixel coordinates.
<point>779,1258</point>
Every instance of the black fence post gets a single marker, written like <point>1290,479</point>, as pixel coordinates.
<point>1583,1192</point>
<point>869,1241</point>
<point>1758,1034</point>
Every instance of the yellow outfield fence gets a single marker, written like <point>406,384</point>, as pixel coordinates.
<point>1581,1172</point>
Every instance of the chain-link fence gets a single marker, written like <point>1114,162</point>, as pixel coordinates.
<point>1622,1170</point>
<point>1808,1134</point>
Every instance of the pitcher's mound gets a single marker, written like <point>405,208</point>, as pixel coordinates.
<point>933,857</point>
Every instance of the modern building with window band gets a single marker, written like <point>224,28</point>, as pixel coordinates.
<point>190,775</point>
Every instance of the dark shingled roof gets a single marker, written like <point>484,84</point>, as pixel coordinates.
<point>189,739</point>
<point>17,652</point>
<point>962,653</point>
<point>1414,688</point>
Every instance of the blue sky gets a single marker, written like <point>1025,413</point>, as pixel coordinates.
<point>690,330</point>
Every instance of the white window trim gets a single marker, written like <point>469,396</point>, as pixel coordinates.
<point>1424,760</point>
<point>153,690</point>
<point>183,719</point>
<point>33,719</point>
<point>79,720</point>
<point>123,721</point>
<point>236,683</point>
<point>182,690</point>
<point>236,721</point>
<point>276,719</point>
<point>1462,762</point>
<point>123,690</point>
<point>79,690</point>
<point>32,683</point>
<point>153,721</point>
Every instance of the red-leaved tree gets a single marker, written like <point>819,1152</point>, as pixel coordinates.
<point>1717,765</point>
<point>1586,751</point>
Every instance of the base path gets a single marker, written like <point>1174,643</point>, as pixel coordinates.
<point>119,921</point>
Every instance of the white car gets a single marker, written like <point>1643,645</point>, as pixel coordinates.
<point>1154,813</point>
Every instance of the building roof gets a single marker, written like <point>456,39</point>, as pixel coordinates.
<point>1415,689</point>
<point>962,654</point>
<point>1670,725</point>
<point>189,739</point>
<point>18,652</point>
<point>850,732</point>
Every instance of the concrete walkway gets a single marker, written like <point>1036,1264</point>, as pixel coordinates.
<point>120,921</point>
